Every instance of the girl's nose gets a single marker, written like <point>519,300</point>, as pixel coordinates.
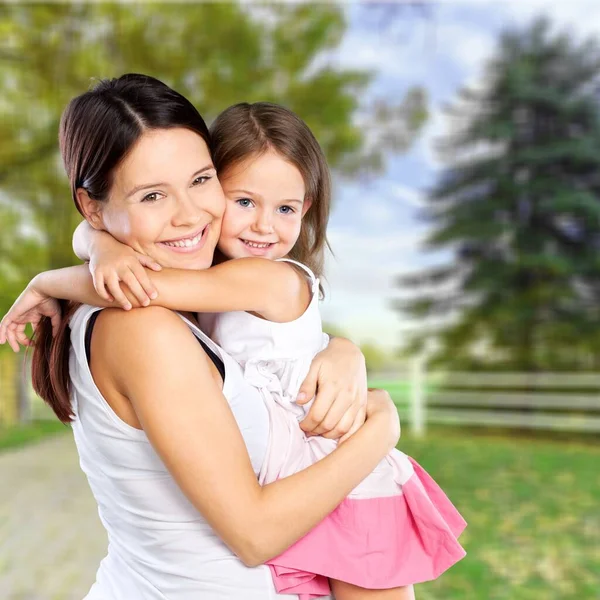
<point>263,223</point>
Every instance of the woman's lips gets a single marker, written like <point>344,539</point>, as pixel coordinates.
<point>187,245</point>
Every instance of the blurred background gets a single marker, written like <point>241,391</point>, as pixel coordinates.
<point>464,138</point>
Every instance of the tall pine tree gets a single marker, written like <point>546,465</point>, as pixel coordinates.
<point>519,204</point>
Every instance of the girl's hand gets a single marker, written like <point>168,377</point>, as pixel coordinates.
<point>338,377</point>
<point>112,262</point>
<point>29,307</point>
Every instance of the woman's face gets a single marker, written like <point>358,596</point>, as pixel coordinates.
<point>166,200</point>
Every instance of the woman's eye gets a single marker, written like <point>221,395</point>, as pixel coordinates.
<point>286,210</point>
<point>244,202</point>
<point>153,197</point>
<point>200,180</point>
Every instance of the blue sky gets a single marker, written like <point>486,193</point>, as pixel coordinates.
<point>374,228</point>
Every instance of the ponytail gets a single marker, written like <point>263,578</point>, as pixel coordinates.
<point>50,363</point>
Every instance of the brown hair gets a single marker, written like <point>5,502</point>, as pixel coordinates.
<point>245,129</point>
<point>97,131</point>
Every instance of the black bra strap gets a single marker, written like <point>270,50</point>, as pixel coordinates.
<point>88,346</point>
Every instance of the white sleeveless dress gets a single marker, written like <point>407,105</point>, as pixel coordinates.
<point>396,528</point>
<point>159,546</point>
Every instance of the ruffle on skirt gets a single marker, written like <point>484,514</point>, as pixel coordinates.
<point>376,543</point>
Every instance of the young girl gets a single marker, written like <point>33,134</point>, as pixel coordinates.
<point>397,527</point>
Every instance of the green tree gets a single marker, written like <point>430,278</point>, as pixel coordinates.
<point>519,205</point>
<point>375,357</point>
<point>214,53</point>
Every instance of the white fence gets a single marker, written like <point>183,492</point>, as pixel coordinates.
<point>557,401</point>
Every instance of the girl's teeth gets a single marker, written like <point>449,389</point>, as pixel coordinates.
<point>255,245</point>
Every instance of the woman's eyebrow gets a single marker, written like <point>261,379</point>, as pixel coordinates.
<point>145,186</point>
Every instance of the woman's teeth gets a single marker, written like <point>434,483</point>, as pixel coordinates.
<point>190,242</point>
<point>255,245</point>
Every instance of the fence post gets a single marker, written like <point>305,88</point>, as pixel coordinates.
<point>417,397</point>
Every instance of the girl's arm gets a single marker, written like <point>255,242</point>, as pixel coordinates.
<point>272,289</point>
<point>156,363</point>
<point>337,375</point>
<point>110,262</point>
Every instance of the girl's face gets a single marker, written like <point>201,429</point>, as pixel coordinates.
<point>165,201</point>
<point>265,203</point>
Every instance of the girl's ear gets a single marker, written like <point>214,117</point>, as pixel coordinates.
<point>91,209</point>
<point>307,204</point>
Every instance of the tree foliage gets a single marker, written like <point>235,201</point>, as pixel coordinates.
<point>519,204</point>
<point>216,54</point>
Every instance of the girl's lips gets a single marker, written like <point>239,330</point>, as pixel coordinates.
<point>188,249</point>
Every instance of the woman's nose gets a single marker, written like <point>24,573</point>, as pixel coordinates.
<point>187,211</point>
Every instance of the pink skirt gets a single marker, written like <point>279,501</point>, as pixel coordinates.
<point>376,543</point>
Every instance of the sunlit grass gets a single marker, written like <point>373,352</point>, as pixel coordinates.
<point>19,435</point>
<point>532,509</point>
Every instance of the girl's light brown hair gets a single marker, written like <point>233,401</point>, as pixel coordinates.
<point>244,130</point>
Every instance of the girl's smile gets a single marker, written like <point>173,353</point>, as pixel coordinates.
<point>265,204</point>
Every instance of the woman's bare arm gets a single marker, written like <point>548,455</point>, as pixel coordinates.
<point>160,367</point>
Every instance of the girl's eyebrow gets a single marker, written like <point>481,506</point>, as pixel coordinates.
<point>244,192</point>
<point>288,201</point>
<point>144,186</point>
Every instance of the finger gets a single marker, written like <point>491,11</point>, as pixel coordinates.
<point>55,320</point>
<point>130,280</point>
<point>3,324</point>
<point>141,275</point>
<point>100,286</point>
<point>358,423</point>
<point>12,340</point>
<point>318,411</point>
<point>146,261</point>
<point>22,337</point>
<point>117,293</point>
<point>342,426</point>
<point>330,425</point>
<point>308,389</point>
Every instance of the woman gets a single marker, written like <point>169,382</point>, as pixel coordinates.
<point>169,434</point>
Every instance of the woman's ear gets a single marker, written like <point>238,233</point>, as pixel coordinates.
<point>306,205</point>
<point>91,209</point>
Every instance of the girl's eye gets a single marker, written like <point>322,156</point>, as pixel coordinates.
<point>286,210</point>
<point>201,179</point>
<point>244,202</point>
<point>152,197</point>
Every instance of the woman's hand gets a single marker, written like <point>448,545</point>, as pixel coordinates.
<point>29,307</point>
<point>338,378</point>
<point>112,262</point>
<point>380,403</point>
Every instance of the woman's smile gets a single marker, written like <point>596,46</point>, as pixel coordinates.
<point>189,243</point>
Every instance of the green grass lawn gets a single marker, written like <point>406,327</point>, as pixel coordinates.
<point>19,435</point>
<point>533,513</point>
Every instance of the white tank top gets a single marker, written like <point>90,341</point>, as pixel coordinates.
<point>159,546</point>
